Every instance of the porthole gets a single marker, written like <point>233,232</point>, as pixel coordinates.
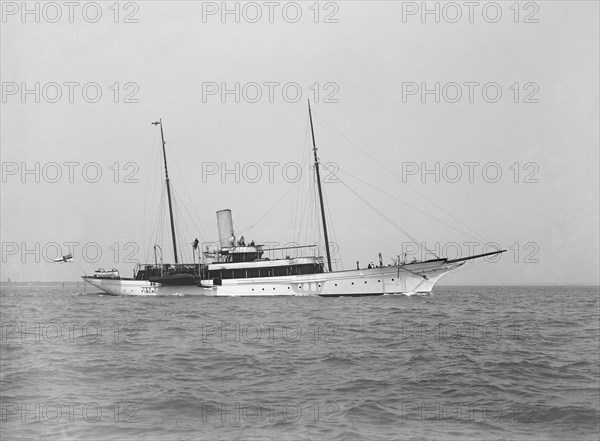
<point>365,281</point>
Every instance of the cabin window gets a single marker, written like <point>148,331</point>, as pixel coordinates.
<point>242,257</point>
<point>281,271</point>
<point>288,270</point>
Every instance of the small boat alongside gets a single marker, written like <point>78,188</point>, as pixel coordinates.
<point>101,273</point>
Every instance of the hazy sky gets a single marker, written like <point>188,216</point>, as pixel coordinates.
<point>365,66</point>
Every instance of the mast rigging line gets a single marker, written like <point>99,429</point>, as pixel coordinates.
<point>328,207</point>
<point>269,210</point>
<point>299,196</point>
<point>200,230</point>
<point>410,206</point>
<point>179,225</point>
<point>405,183</point>
<point>198,226</point>
<point>156,230</point>
<point>306,200</point>
<point>154,175</point>
<point>391,222</point>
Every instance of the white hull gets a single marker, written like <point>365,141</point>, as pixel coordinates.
<point>408,279</point>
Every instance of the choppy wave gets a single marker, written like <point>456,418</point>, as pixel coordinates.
<point>463,363</point>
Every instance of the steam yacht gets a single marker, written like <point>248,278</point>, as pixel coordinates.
<point>235,268</point>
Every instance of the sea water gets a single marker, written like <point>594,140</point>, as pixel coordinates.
<point>461,363</point>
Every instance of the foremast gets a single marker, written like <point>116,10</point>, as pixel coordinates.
<point>318,175</point>
<point>162,136</point>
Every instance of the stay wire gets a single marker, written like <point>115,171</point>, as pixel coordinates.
<point>405,183</point>
<point>411,206</point>
<point>391,222</point>
<point>269,210</point>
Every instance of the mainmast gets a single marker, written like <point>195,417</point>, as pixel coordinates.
<point>312,131</point>
<point>156,123</point>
